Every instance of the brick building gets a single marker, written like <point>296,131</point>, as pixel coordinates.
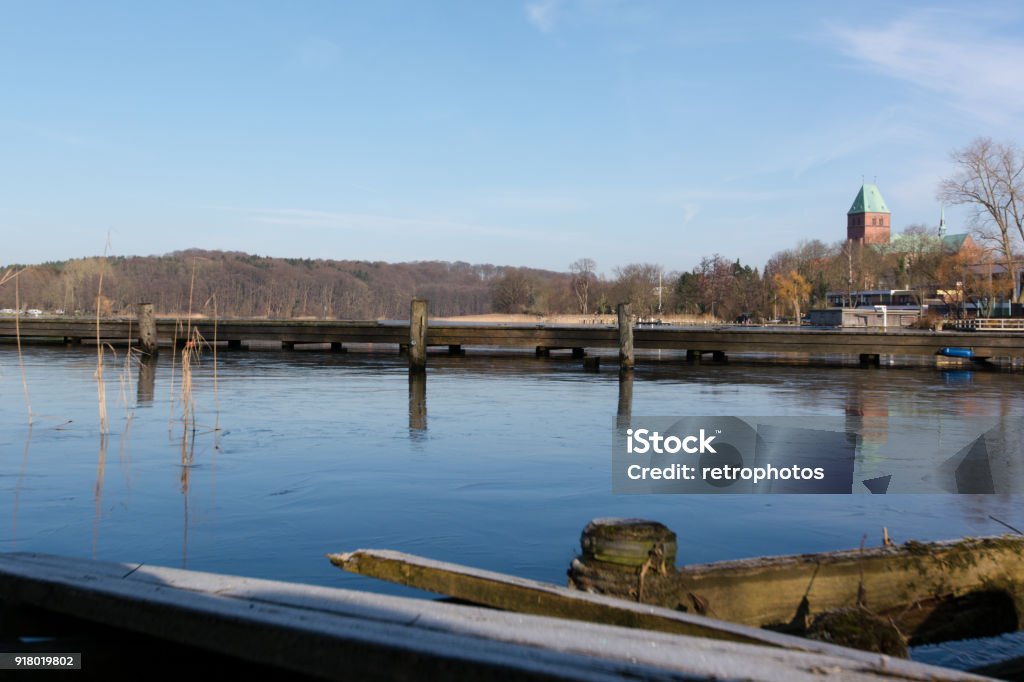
<point>868,221</point>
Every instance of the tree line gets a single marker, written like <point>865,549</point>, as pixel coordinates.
<point>988,178</point>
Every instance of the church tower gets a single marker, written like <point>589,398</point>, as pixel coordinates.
<point>867,221</point>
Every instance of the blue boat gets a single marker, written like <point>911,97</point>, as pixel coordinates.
<point>955,352</point>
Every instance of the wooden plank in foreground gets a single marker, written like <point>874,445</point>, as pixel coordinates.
<point>341,634</point>
<point>529,596</point>
<point>511,593</point>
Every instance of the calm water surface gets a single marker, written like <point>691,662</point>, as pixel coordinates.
<point>493,461</point>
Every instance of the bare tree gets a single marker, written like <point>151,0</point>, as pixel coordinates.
<point>582,280</point>
<point>637,284</point>
<point>989,179</point>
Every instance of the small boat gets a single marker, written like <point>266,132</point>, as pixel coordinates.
<point>956,352</point>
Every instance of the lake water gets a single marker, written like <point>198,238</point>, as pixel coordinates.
<point>495,461</point>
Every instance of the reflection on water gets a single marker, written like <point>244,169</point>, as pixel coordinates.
<point>17,487</point>
<point>316,452</point>
<point>417,405</point>
<point>147,380</point>
<point>624,411</point>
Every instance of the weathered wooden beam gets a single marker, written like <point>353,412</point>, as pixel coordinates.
<point>932,591</point>
<point>418,336</point>
<point>341,634</point>
<point>148,339</point>
<point>626,359</point>
<point>511,593</point>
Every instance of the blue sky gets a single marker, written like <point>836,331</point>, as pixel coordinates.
<point>524,133</point>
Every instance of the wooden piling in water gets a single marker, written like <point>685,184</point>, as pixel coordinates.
<point>418,335</point>
<point>626,359</point>
<point>148,340</point>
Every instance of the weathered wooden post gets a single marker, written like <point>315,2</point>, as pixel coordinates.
<point>418,335</point>
<point>627,558</point>
<point>625,338</point>
<point>148,340</point>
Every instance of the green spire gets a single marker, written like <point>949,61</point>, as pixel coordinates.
<point>869,200</point>
<point>942,222</point>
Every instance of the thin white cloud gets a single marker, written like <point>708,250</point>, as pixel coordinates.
<point>948,53</point>
<point>690,212</point>
<point>543,14</point>
<point>398,226</point>
<point>830,142</point>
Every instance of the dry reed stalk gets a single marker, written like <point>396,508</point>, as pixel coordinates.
<point>189,356</point>
<point>191,288</point>
<point>189,353</point>
<point>174,362</point>
<point>17,335</point>
<point>213,346</point>
<point>124,378</point>
<point>101,388</point>
<point>9,274</point>
<point>216,394</point>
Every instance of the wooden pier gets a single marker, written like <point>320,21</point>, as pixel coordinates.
<point>711,342</point>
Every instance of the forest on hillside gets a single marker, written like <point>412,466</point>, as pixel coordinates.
<point>233,284</point>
